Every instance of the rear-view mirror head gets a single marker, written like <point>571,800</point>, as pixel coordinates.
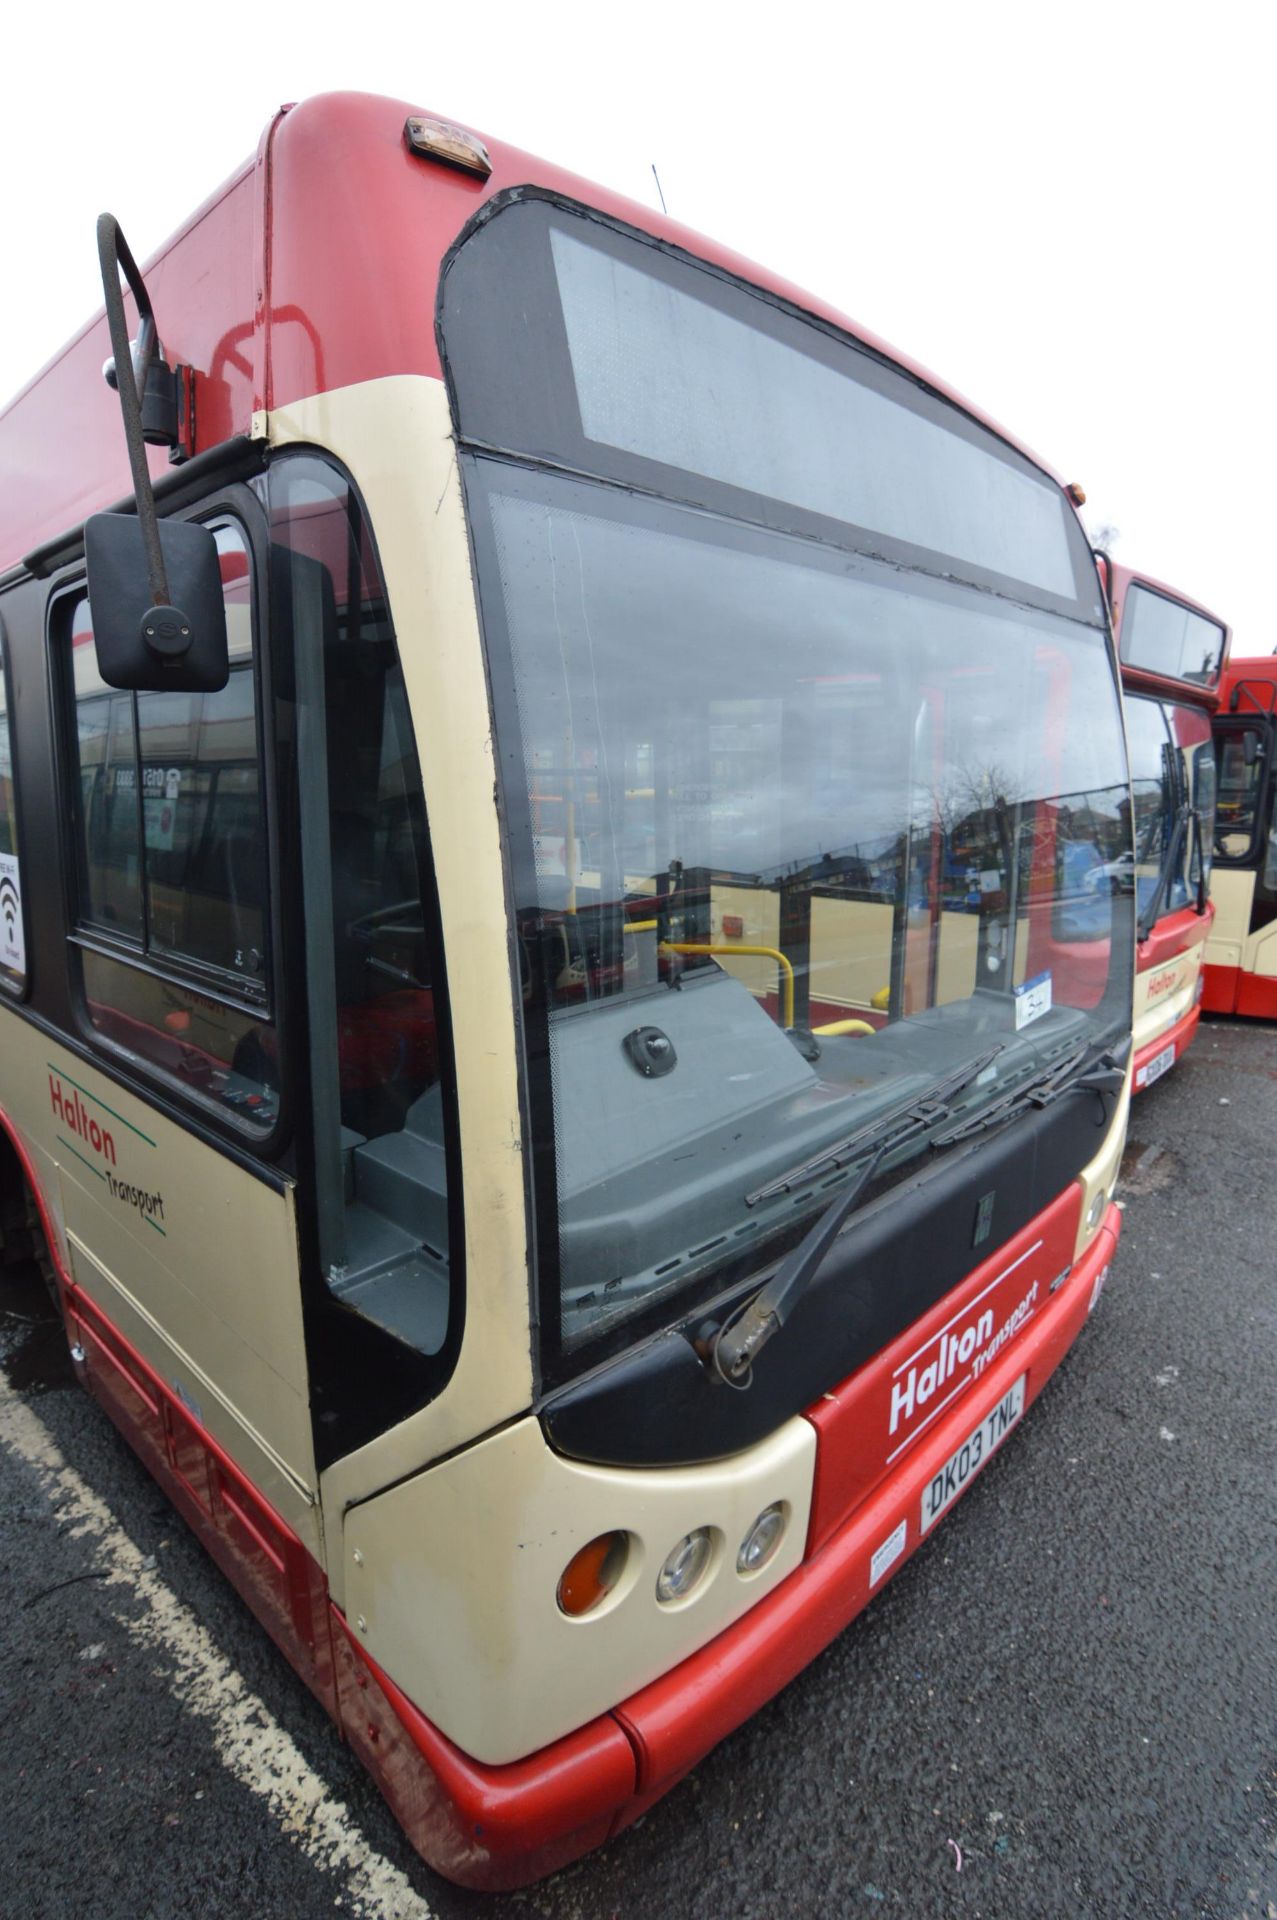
<point>178,648</point>
<point>1250,748</point>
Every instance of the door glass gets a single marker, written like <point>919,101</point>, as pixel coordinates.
<point>373,940</point>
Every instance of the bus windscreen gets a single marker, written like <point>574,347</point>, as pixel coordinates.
<point>803,814</point>
<point>1164,636</point>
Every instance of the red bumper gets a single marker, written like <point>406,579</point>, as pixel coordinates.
<point>1176,1037</point>
<point>1232,990</point>
<point>500,1827</point>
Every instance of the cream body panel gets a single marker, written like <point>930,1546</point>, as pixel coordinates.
<point>395,438</point>
<point>452,1577</point>
<point>959,952</point>
<point>1164,994</point>
<point>850,951</point>
<point>759,910</point>
<point>214,1297</point>
<point>1260,952</point>
<point>1232,891</point>
<point>1100,1175</point>
<point>225,1358</point>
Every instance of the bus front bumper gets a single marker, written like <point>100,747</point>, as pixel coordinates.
<point>497,1828</point>
<point>1158,1056</point>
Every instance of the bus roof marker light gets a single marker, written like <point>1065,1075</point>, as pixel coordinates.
<point>440,140</point>
<point>1076,493</point>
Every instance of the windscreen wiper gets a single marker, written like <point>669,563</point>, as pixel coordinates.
<point>1148,919</point>
<point>731,1350</point>
<point>925,1108</point>
<point>1106,1074</point>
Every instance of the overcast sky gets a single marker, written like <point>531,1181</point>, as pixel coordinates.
<point>1067,213</point>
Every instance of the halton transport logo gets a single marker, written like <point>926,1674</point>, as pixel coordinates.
<point>90,1124</point>
<point>974,1346</point>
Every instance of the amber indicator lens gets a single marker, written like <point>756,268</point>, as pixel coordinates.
<point>591,1574</point>
<point>442,141</point>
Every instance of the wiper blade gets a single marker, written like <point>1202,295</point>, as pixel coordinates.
<point>924,1108</point>
<point>1171,857</point>
<point>733,1348</point>
<point>1107,1074</point>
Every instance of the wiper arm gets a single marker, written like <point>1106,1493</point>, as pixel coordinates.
<point>1107,1074</point>
<point>1148,919</point>
<point>1202,891</point>
<point>925,1108</point>
<point>733,1348</point>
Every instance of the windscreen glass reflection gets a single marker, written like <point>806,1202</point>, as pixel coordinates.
<point>802,832</point>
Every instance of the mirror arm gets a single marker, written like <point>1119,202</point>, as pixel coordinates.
<point>114,257</point>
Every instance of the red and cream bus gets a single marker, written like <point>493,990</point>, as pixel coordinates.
<point>551,1022</point>
<point>1241,954</point>
<point>1172,655</point>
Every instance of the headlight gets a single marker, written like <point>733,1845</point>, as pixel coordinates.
<point>1095,1212</point>
<point>762,1540</point>
<point>685,1566</point>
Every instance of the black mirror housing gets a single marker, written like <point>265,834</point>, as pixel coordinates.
<point>180,648</point>
<point>1250,748</point>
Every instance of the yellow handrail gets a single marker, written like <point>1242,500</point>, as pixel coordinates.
<point>843,1026</point>
<point>766,953</point>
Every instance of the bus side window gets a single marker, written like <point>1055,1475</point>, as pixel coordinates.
<point>375,977</point>
<point>171,922</point>
<point>13,953</point>
<point>1241,768</point>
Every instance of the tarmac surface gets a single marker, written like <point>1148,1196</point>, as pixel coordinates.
<point>1065,1704</point>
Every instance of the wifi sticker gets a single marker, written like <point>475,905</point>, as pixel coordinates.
<point>13,953</point>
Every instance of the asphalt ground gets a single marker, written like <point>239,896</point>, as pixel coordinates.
<point>1064,1704</point>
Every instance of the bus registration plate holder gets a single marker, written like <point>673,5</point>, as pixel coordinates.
<point>1161,1063</point>
<point>948,1482</point>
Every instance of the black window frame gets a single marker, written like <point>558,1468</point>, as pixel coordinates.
<point>1238,724</point>
<point>239,506</point>
<point>532,407</point>
<point>364,1380</point>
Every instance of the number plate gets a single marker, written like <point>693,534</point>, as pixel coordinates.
<point>944,1487</point>
<point>1160,1063</point>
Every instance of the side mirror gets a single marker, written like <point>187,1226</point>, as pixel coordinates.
<point>148,648</point>
<point>1250,748</point>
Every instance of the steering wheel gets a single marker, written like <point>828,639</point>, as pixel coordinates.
<point>381,920</point>
<point>385,923</point>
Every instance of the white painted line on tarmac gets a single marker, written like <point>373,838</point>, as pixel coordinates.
<point>250,1743</point>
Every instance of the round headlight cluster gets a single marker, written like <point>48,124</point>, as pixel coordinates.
<point>596,1571</point>
<point>762,1540</point>
<point>685,1566</point>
